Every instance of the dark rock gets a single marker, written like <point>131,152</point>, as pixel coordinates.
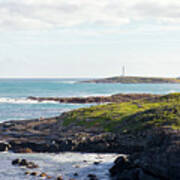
<point>23,162</point>
<point>4,146</point>
<point>43,175</point>
<point>16,161</point>
<point>95,99</point>
<point>27,173</point>
<point>97,163</point>
<point>142,175</point>
<point>32,165</point>
<point>92,177</point>
<point>121,160</point>
<point>59,178</point>
<point>24,150</point>
<point>135,174</point>
<point>128,175</point>
<point>34,174</point>
<point>76,174</point>
<point>120,164</point>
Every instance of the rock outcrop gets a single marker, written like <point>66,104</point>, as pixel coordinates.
<point>159,160</point>
<point>147,130</point>
<point>95,99</point>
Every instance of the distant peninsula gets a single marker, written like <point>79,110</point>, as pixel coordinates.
<point>134,80</point>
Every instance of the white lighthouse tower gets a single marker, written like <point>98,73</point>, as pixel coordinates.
<point>123,71</point>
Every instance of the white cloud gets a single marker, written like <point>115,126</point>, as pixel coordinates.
<point>45,14</point>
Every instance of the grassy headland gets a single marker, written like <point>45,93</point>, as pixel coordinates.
<point>146,129</point>
<point>134,79</point>
<point>130,116</point>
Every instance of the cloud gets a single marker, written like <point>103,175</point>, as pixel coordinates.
<point>50,14</point>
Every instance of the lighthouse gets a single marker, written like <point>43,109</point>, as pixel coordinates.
<point>123,71</point>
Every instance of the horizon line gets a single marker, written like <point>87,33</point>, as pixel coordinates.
<point>85,77</point>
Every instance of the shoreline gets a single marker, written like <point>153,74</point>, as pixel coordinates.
<point>116,98</point>
<point>153,151</point>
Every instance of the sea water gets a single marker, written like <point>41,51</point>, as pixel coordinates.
<point>14,92</point>
<point>15,106</point>
<point>62,164</point>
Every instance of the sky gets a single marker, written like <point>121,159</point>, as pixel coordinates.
<point>89,38</point>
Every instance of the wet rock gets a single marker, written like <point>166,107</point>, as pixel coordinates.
<point>142,175</point>
<point>128,174</point>
<point>4,146</point>
<point>125,169</point>
<point>27,173</point>
<point>77,166</point>
<point>97,163</point>
<point>32,165</point>
<point>76,174</point>
<point>23,162</point>
<point>34,174</point>
<point>49,177</point>
<point>59,178</point>
<point>92,177</point>
<point>16,161</point>
<point>120,164</point>
<point>121,160</point>
<point>43,175</point>
<point>136,174</point>
<point>24,150</point>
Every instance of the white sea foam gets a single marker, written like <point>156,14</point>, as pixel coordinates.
<point>65,82</point>
<point>64,164</point>
<point>172,91</point>
<point>24,101</point>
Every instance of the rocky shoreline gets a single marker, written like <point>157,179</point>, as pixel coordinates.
<point>49,135</point>
<point>153,153</point>
<point>156,154</point>
<point>95,99</point>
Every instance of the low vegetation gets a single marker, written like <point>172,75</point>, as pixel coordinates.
<point>135,80</point>
<point>163,111</point>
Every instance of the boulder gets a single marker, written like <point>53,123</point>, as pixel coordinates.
<point>34,174</point>
<point>24,162</point>
<point>27,173</point>
<point>92,177</point>
<point>4,146</point>
<point>16,161</point>
<point>120,164</point>
<point>43,175</point>
<point>59,178</point>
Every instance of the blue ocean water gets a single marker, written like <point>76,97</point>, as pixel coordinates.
<point>15,106</point>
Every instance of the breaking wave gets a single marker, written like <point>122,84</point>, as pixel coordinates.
<point>24,101</point>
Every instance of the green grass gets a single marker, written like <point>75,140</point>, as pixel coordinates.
<point>130,116</point>
<point>134,79</point>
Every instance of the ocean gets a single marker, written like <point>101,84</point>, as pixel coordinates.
<point>15,106</point>
<point>14,92</point>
